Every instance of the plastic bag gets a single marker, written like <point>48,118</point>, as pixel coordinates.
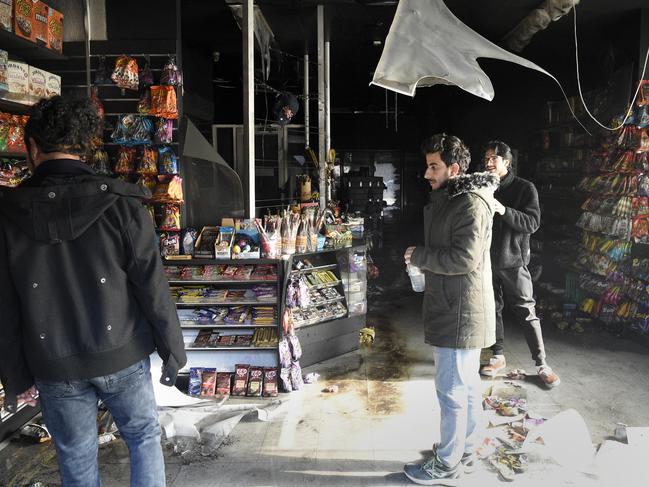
<point>125,74</point>
<point>164,133</point>
<point>169,244</point>
<point>145,74</point>
<point>144,104</point>
<point>169,191</point>
<point>163,102</point>
<point>133,130</point>
<point>99,163</point>
<point>125,163</point>
<point>167,161</point>
<point>148,163</point>
<point>171,220</point>
<point>171,75</point>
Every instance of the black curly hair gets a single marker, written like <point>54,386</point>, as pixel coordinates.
<point>451,150</point>
<point>61,124</point>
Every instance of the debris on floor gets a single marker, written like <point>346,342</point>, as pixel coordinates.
<point>517,374</point>
<point>331,389</point>
<point>35,432</point>
<point>367,335</point>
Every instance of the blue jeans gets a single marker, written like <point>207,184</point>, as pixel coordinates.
<point>70,413</point>
<point>457,380</point>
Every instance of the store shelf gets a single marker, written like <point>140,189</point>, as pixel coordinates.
<point>324,303</point>
<point>230,348</point>
<point>325,285</point>
<point>13,155</point>
<point>212,261</point>
<point>222,326</point>
<point>226,303</point>
<point>180,282</point>
<point>14,106</point>
<point>303,324</point>
<point>26,50</point>
<point>315,269</point>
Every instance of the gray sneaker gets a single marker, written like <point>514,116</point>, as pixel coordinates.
<point>433,472</point>
<point>469,461</point>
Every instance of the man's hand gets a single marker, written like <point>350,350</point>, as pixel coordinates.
<point>28,397</point>
<point>408,254</point>
<point>499,208</point>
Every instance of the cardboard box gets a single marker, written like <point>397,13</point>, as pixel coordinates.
<point>4,58</point>
<point>52,85</point>
<point>41,20</point>
<point>55,30</point>
<point>24,19</point>
<point>205,243</point>
<point>18,80</point>
<point>223,247</point>
<point>6,15</point>
<point>37,83</point>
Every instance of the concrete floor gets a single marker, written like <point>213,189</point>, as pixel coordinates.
<point>385,414</point>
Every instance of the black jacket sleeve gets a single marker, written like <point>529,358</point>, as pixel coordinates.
<point>14,371</point>
<point>152,292</point>
<point>527,217</point>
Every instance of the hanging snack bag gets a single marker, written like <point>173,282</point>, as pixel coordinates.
<point>169,191</point>
<point>163,102</point>
<point>171,75</point>
<point>208,386</point>
<point>296,348</point>
<point>171,220</point>
<point>223,383</point>
<point>164,133</point>
<point>125,161</point>
<point>270,382</point>
<point>125,74</point>
<point>255,381</point>
<point>148,182</point>
<point>240,379</point>
<point>297,382</point>
<point>96,102</point>
<point>101,75</point>
<point>148,164</point>
<point>145,74</point>
<point>188,241</point>
<point>284,353</point>
<point>99,162</point>
<point>195,381</point>
<point>643,99</point>
<point>285,376</point>
<point>144,104</point>
<point>167,161</point>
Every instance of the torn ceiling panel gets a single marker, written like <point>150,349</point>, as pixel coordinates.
<point>427,45</point>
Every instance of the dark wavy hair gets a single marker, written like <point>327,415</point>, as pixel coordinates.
<point>500,149</point>
<point>62,124</point>
<point>451,150</point>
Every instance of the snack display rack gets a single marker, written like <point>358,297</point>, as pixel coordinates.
<point>218,299</point>
<point>328,321</point>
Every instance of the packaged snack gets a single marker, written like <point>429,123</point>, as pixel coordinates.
<point>163,102</point>
<point>171,75</point>
<point>202,339</point>
<point>6,15</point>
<point>133,130</point>
<point>125,74</point>
<point>169,191</point>
<point>55,30</point>
<point>125,163</point>
<point>255,382</point>
<point>284,353</point>
<point>285,376</point>
<point>223,383</point>
<point>37,78</point>
<point>102,77</point>
<point>18,80</point>
<point>270,382</point>
<point>148,182</point>
<point>171,220</point>
<point>24,19</point>
<point>240,379</point>
<point>148,164</point>
<point>188,241</point>
<point>170,244</point>
<point>41,20</point>
<point>99,162</point>
<point>4,58</point>
<point>643,98</point>
<point>145,74</point>
<point>164,133</point>
<point>94,99</point>
<point>53,85</point>
<point>222,249</point>
<point>296,348</point>
<point>144,104</point>
<point>208,387</point>
<point>195,381</point>
<point>167,161</point>
<point>296,376</point>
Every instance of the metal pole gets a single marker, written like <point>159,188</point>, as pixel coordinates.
<point>321,110</point>
<point>86,24</point>
<point>644,42</point>
<point>396,112</point>
<point>306,101</point>
<point>327,100</point>
<point>248,29</point>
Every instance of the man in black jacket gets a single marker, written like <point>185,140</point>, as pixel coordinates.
<point>84,299</point>
<point>518,215</point>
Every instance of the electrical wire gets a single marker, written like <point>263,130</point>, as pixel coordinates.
<point>581,96</point>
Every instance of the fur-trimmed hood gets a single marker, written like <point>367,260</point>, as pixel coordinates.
<point>477,182</point>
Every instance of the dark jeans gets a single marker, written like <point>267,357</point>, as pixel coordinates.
<point>515,286</point>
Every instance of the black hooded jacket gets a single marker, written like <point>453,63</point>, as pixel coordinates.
<point>82,289</point>
<point>510,245</point>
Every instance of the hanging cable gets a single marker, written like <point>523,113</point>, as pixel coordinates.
<point>581,96</point>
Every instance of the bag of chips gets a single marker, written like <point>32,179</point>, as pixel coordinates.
<point>296,348</point>
<point>145,74</point>
<point>169,191</point>
<point>94,99</point>
<point>164,133</point>
<point>297,382</point>
<point>148,182</point>
<point>171,221</point>
<point>163,102</point>
<point>125,161</point>
<point>133,130</point>
<point>148,163</point>
<point>285,376</point>
<point>169,244</point>
<point>144,104</point>
<point>171,75</point>
<point>167,161</point>
<point>125,74</point>
<point>99,163</point>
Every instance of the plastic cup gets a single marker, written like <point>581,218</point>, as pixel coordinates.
<point>417,278</point>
